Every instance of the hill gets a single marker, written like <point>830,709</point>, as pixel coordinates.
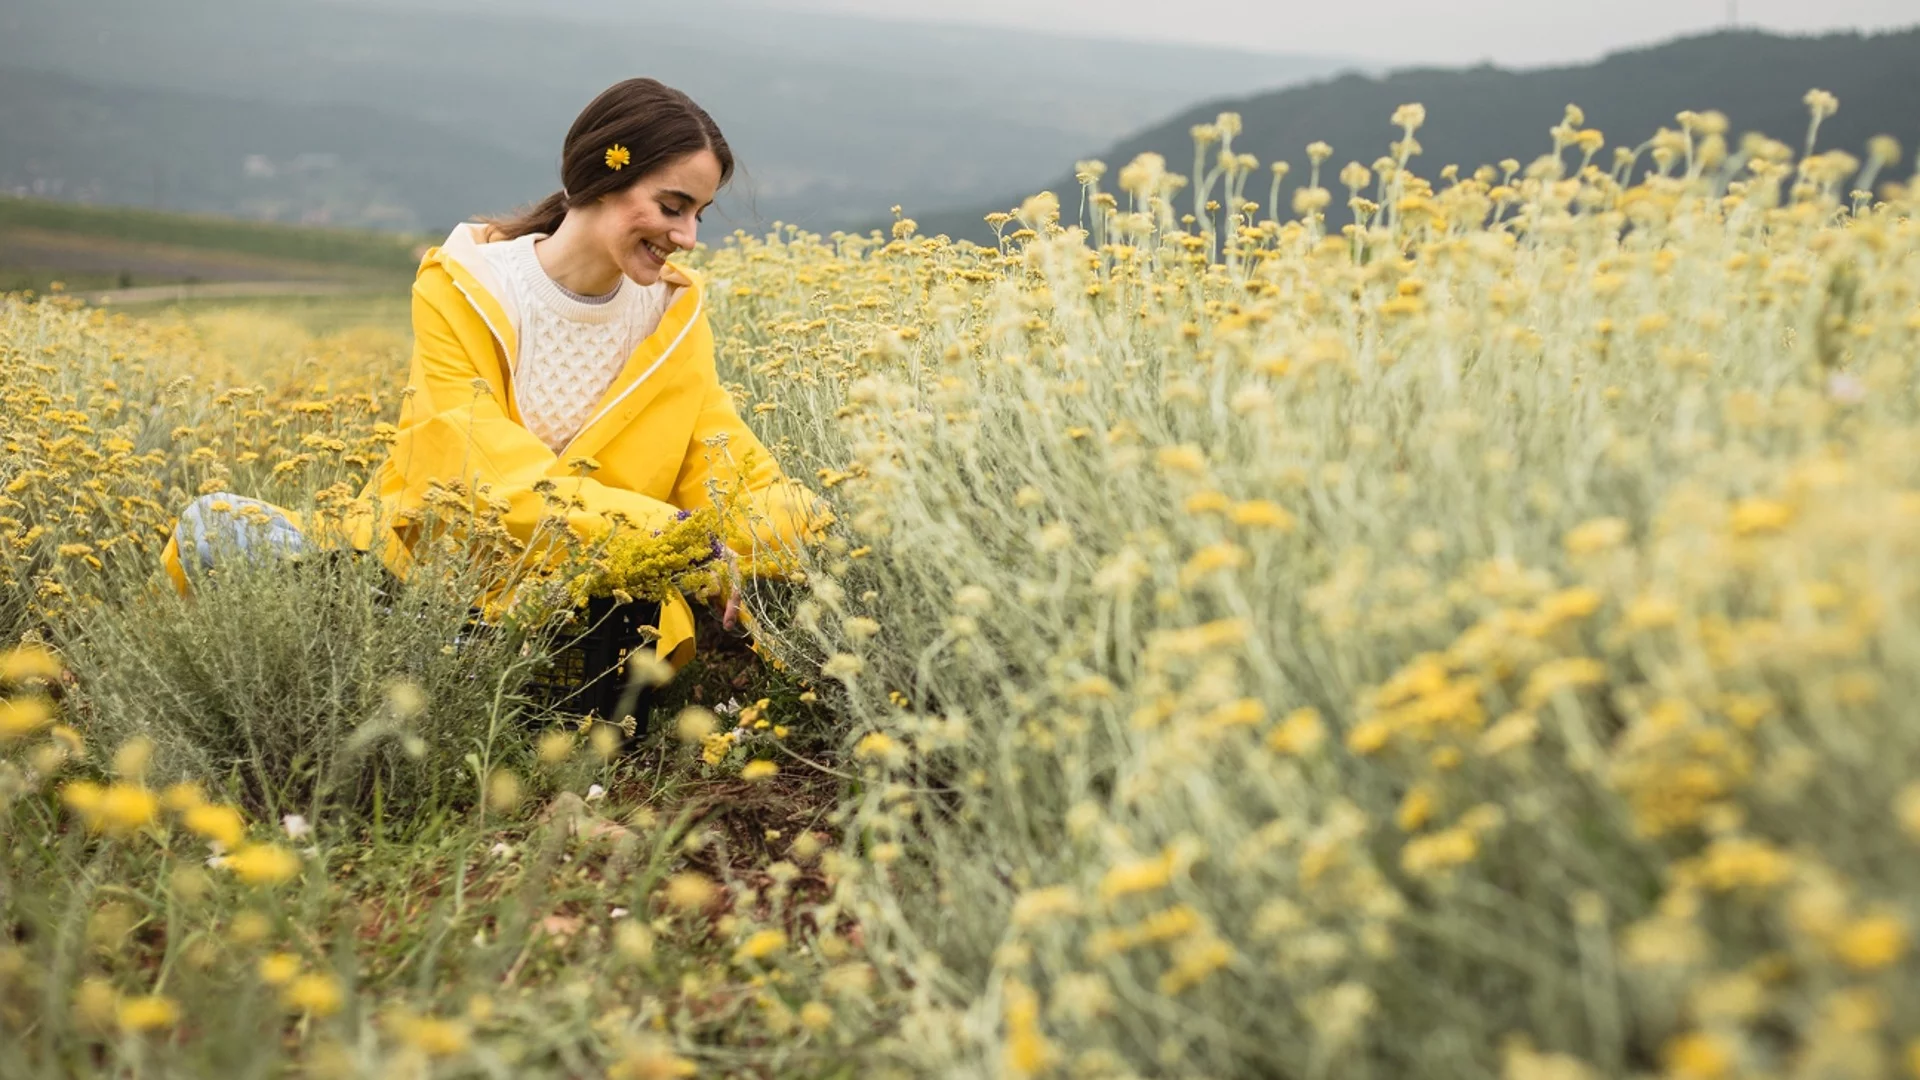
<point>412,115</point>
<point>1484,114</point>
<point>94,248</point>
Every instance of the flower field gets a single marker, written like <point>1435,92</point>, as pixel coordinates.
<point>1466,642</point>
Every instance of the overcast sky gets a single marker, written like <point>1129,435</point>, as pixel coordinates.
<point>1446,31</point>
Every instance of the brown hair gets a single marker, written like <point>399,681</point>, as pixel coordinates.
<point>654,122</point>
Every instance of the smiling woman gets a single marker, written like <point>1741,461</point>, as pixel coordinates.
<point>563,370</point>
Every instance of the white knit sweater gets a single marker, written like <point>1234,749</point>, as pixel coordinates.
<point>571,346</point>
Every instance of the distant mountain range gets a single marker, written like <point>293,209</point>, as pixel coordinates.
<point>1481,115</point>
<point>412,114</point>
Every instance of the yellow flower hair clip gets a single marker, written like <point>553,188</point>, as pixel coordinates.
<point>617,157</point>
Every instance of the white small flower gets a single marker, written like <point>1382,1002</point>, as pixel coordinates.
<point>1846,389</point>
<point>617,913</point>
<point>732,706</point>
<point>501,850</point>
<point>296,826</point>
<point>596,793</point>
<point>216,861</point>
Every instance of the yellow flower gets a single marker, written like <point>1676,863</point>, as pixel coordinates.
<point>1752,517</point>
<point>1439,852</point>
<point>758,770</point>
<point>760,945</point>
<point>28,663</point>
<point>1594,536</point>
<point>1906,809</point>
<point>1559,675</point>
<point>182,797</point>
<point>1871,943</point>
<point>555,747</point>
<point>149,1013</point>
<point>876,745</point>
<point>1028,1053</point>
<point>22,717</point>
<point>1040,905</point>
<point>1141,875</point>
<point>435,1037</point>
<point>117,810</point>
<point>96,1005</point>
<point>1416,808</point>
<point>816,1016</point>
<point>264,864</point>
<point>1698,1056</point>
<point>1206,502</point>
<point>715,747</point>
<point>278,969</point>
<point>651,1060</point>
<point>1212,558</point>
<point>1262,514</point>
<point>313,993</point>
<point>1183,458</point>
<point>617,157</point>
<point>1300,733</point>
<point>689,891</point>
<point>222,825</point>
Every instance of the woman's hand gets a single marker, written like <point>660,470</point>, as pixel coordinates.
<point>730,611</point>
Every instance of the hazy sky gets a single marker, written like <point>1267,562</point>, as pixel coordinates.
<point>1447,31</point>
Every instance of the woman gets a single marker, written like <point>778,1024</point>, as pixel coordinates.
<point>561,351</point>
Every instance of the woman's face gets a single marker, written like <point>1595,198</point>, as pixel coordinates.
<point>646,224</point>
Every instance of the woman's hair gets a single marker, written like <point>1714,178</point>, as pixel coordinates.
<point>654,122</point>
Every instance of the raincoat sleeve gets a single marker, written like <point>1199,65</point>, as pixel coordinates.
<point>776,513</point>
<point>455,426</point>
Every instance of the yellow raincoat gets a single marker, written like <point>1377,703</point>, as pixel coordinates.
<point>649,434</point>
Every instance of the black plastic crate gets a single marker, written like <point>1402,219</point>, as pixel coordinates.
<point>587,671</point>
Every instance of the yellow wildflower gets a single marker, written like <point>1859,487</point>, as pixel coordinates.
<point>1590,537</point>
<point>1299,733</point>
<point>1439,852</point>
<point>264,864</point>
<point>617,157</point>
<point>1263,514</point>
<point>182,796</point>
<point>1754,517</point>
<point>22,717</point>
<point>1872,942</point>
<point>651,1059</point>
<point>1560,675</point>
<point>278,969</point>
<point>222,825</point>
<point>877,746</point>
<point>435,1037</point>
<point>117,809</point>
<point>148,1013</point>
<point>1698,1056</point>
<point>759,769</point>
<point>760,945</point>
<point>317,994</point>
<point>689,891</point>
<point>29,663</point>
<point>1141,875</point>
<point>816,1016</point>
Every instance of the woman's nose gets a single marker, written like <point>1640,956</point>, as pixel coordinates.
<point>684,236</point>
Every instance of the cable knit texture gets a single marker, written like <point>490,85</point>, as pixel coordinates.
<point>571,346</point>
